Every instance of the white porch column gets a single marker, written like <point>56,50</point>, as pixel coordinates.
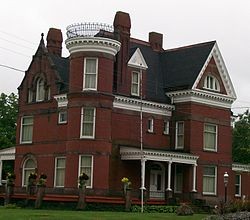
<point>1,170</point>
<point>169,176</point>
<point>194,178</point>
<point>143,162</point>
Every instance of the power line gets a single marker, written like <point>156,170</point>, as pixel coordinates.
<point>22,54</point>
<point>13,68</point>
<point>4,32</point>
<point>20,45</point>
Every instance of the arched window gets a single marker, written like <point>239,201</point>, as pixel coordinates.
<point>211,83</point>
<point>40,90</point>
<point>29,167</point>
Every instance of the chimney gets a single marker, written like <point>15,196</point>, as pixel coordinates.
<point>54,41</point>
<point>155,40</point>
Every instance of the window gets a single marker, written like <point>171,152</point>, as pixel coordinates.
<point>90,73</point>
<point>179,138</point>
<point>28,168</point>
<point>135,84</point>
<point>40,90</point>
<point>210,137</point>
<point>26,130</point>
<point>211,83</point>
<point>151,125</point>
<point>88,123</point>
<point>166,127</point>
<point>30,96</point>
<point>209,180</point>
<point>59,171</point>
<point>86,166</point>
<point>238,185</point>
<point>178,178</point>
<point>62,117</point>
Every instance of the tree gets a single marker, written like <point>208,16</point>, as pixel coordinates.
<point>8,117</point>
<point>241,139</point>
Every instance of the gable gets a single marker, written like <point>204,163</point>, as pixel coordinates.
<point>137,60</point>
<point>216,63</point>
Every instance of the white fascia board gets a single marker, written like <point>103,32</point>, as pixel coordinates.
<point>137,60</point>
<point>237,167</point>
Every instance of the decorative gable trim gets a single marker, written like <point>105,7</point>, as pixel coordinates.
<point>149,107</point>
<point>62,100</point>
<point>201,96</point>
<point>137,60</point>
<point>129,153</point>
<point>215,53</point>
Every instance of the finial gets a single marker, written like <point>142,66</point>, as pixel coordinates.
<point>42,34</point>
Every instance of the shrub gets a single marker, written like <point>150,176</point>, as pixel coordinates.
<point>154,209</point>
<point>184,210</point>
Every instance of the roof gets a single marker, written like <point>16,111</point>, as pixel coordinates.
<point>172,70</point>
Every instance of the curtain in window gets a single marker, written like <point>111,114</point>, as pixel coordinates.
<point>29,167</point>
<point>90,74</point>
<point>60,172</point>
<point>27,129</point>
<point>40,90</point>
<point>135,83</point>
<point>209,180</point>
<point>88,122</point>
<point>180,134</point>
<point>86,167</point>
<point>210,137</point>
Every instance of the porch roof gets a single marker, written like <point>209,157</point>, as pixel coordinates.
<point>7,153</point>
<point>130,153</point>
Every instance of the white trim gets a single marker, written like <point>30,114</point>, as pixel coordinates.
<point>95,44</point>
<point>25,169</point>
<point>21,130</point>
<point>201,96</point>
<point>62,100</point>
<point>150,125</point>
<point>133,83</point>
<point>241,167</point>
<point>216,138</point>
<point>94,121</point>
<point>59,117</point>
<point>239,194</point>
<point>133,104</point>
<point>6,154</point>
<point>215,53</point>
<point>55,171</point>
<point>215,182</point>
<point>96,73</point>
<point>137,60</point>
<point>177,134</point>
<point>92,168</point>
<point>210,79</point>
<point>130,153</point>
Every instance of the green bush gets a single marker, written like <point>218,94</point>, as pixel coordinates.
<point>154,209</point>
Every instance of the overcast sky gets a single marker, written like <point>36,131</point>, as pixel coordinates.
<point>182,22</point>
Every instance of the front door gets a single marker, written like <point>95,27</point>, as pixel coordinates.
<point>157,181</point>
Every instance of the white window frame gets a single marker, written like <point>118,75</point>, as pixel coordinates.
<point>56,168</point>
<point>84,73</point>
<point>94,121</point>
<point>60,121</point>
<point>177,135</point>
<point>216,137</point>
<point>21,130</point>
<point>26,169</point>
<point>166,127</point>
<point>211,83</point>
<point>238,185</point>
<point>38,90</point>
<point>92,168</point>
<point>137,84</point>
<point>215,181</point>
<point>150,125</point>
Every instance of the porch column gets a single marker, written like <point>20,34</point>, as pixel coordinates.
<point>143,162</point>
<point>1,170</point>
<point>169,176</point>
<point>194,178</point>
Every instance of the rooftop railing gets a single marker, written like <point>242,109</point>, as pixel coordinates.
<point>88,30</point>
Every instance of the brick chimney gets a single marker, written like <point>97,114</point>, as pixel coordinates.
<point>155,40</point>
<point>122,25</point>
<point>54,41</point>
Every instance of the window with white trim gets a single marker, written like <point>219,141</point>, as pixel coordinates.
<point>151,125</point>
<point>166,127</point>
<point>60,165</point>
<point>88,122</point>
<point>238,185</point>
<point>29,166</point>
<point>211,83</point>
<point>86,166</point>
<point>209,180</point>
<point>26,130</point>
<point>30,96</point>
<point>62,117</point>
<point>40,90</point>
<point>210,137</point>
<point>135,83</point>
<point>179,135</point>
<point>90,73</point>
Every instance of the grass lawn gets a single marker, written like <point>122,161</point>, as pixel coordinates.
<point>30,214</point>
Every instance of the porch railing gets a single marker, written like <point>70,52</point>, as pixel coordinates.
<point>157,194</point>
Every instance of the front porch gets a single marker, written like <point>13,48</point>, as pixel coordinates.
<point>165,175</point>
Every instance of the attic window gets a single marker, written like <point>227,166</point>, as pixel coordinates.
<point>211,83</point>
